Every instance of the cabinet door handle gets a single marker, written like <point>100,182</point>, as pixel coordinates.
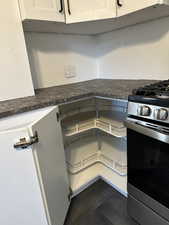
<point>68,5</point>
<point>119,3</point>
<point>61,6</point>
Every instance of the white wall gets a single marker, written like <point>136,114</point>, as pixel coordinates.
<point>137,52</point>
<point>14,65</point>
<point>50,53</point>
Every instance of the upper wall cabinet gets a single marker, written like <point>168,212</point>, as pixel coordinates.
<point>73,10</point>
<point>125,7</point>
<point>16,81</point>
<point>49,10</point>
<point>99,15</point>
<point>88,10</point>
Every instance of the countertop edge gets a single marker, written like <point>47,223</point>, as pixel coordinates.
<point>44,97</point>
<point>57,102</point>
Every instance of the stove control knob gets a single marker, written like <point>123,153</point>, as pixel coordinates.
<point>161,114</point>
<point>144,110</point>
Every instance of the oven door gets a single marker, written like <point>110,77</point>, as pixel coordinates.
<point>148,163</point>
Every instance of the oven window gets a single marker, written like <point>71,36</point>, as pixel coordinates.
<point>148,166</point>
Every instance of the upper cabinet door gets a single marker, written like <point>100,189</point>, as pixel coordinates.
<point>50,10</point>
<point>129,6</point>
<point>80,10</point>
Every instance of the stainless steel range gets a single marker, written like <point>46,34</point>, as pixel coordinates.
<point>148,154</point>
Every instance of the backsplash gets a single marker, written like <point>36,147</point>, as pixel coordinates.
<point>136,52</point>
<point>50,54</point>
<point>121,54</point>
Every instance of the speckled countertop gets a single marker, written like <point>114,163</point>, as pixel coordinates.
<point>119,89</point>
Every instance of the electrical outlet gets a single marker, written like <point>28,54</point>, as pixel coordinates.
<point>70,71</point>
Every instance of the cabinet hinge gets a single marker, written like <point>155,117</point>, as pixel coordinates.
<point>58,116</point>
<point>70,194</point>
<point>25,143</point>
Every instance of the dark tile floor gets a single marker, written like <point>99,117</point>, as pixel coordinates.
<point>99,204</point>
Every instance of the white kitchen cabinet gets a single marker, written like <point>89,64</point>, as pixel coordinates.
<point>39,177</point>
<point>101,16</point>
<point>73,10</point>
<point>49,10</point>
<point>16,80</point>
<point>34,182</point>
<point>80,10</point>
<point>130,6</point>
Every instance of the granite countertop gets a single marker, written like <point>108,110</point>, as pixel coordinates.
<point>119,89</point>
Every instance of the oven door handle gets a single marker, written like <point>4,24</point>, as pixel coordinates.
<point>163,137</point>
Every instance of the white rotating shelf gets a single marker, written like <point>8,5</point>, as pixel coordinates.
<point>112,127</point>
<point>97,157</point>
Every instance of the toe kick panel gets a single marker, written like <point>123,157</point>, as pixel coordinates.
<point>142,214</point>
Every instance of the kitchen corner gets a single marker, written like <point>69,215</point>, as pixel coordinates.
<point>84,112</point>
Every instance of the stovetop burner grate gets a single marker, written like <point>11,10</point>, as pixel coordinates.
<point>156,90</point>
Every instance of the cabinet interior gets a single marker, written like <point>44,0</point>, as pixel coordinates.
<point>94,136</point>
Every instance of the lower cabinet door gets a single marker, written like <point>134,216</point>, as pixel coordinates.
<point>20,193</point>
<point>51,167</point>
<point>34,185</point>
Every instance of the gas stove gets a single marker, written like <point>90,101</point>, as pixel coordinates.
<point>150,102</point>
<point>147,154</point>
<point>158,90</point>
<point>154,94</point>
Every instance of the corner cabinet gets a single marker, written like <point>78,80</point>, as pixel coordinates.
<point>81,11</point>
<point>34,180</point>
<point>43,166</point>
<point>47,10</point>
<point>98,16</point>
<point>69,11</point>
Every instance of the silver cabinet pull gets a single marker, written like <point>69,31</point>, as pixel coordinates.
<point>23,143</point>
